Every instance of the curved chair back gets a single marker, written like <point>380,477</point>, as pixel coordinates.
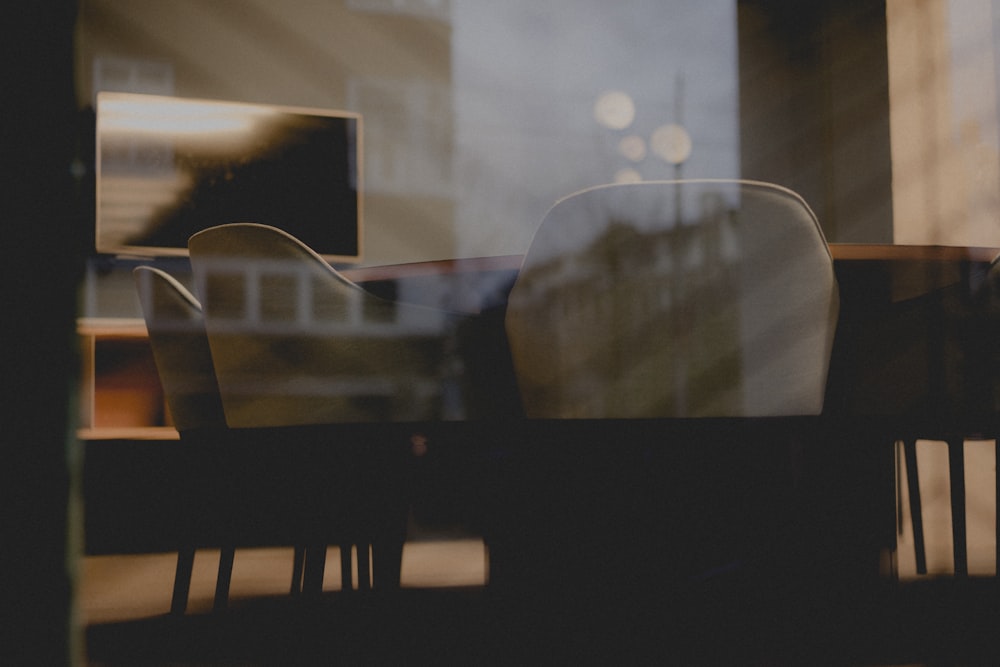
<point>296,343</point>
<point>180,348</point>
<point>675,299</point>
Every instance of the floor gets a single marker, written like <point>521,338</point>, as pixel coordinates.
<point>124,606</point>
<point>445,614</point>
<point>124,588</point>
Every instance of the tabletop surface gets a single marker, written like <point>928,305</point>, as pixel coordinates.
<point>839,251</point>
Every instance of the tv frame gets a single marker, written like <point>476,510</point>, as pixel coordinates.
<point>355,167</point>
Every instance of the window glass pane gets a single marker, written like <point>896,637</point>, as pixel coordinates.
<point>477,116</point>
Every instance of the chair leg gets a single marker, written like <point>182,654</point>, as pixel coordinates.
<point>956,467</point>
<point>346,580</point>
<point>897,455</point>
<point>298,565</point>
<point>364,567</point>
<point>916,516</point>
<point>315,568</point>
<point>387,560</point>
<point>996,451</point>
<point>225,578</point>
<point>182,581</point>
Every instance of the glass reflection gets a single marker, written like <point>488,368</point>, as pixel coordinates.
<point>674,299</point>
<point>294,342</point>
<point>168,167</point>
<point>614,110</point>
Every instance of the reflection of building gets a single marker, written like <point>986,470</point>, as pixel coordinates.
<point>277,296</point>
<point>643,289</point>
<point>291,340</point>
<point>388,61</point>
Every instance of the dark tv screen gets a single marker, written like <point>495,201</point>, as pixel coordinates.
<point>169,167</point>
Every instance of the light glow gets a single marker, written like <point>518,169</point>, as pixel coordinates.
<point>169,117</point>
<point>615,110</point>
<point>628,176</point>
<point>633,147</point>
<point>672,143</point>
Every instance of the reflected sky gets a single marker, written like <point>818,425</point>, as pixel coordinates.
<point>552,98</point>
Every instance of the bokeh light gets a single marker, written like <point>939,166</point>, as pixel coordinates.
<point>672,143</point>
<point>633,147</point>
<point>627,175</point>
<point>615,110</point>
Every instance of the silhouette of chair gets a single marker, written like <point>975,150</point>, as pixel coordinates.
<point>301,352</point>
<point>973,358</point>
<point>184,364</point>
<point>683,300</point>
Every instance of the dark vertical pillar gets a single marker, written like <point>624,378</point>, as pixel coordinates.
<point>39,238</point>
<point>814,109</point>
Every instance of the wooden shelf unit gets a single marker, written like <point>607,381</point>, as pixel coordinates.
<point>120,393</point>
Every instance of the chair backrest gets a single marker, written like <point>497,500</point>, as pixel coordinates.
<point>295,342</point>
<point>703,298</point>
<point>180,348</point>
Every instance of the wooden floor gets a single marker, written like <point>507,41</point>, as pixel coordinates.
<point>124,588</point>
<point>124,604</point>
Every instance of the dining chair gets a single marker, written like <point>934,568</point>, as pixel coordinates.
<point>301,352</point>
<point>700,298</point>
<point>176,330</point>
<point>688,303</point>
<point>973,328</point>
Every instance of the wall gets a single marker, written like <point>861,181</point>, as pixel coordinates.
<point>945,150</point>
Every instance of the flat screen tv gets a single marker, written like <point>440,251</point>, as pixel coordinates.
<point>168,167</point>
